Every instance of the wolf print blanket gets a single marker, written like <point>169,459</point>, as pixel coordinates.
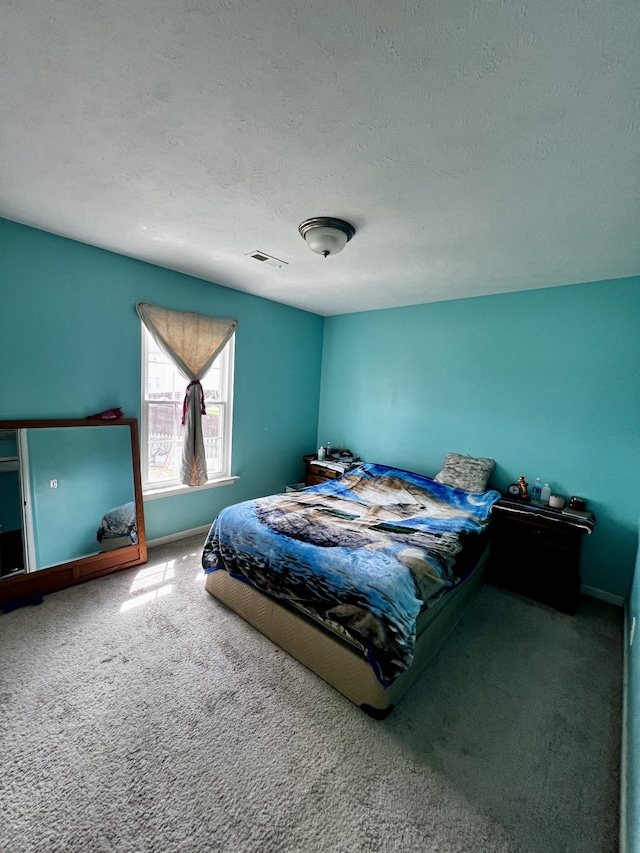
<point>120,521</point>
<point>367,552</point>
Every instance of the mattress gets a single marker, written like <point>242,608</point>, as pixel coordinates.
<point>328,655</point>
<point>367,553</point>
<point>113,543</point>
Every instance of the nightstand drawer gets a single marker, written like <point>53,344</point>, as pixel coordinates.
<point>315,472</point>
<point>324,473</point>
<point>523,533</point>
<point>314,479</point>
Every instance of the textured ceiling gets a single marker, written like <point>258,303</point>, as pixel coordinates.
<point>477,147</point>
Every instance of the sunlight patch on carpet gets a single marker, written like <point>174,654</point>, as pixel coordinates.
<point>150,576</point>
<point>145,597</point>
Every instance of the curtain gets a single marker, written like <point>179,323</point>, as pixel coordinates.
<point>192,342</point>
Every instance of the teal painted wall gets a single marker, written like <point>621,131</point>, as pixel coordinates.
<point>70,346</point>
<point>547,382</point>
<point>93,468</point>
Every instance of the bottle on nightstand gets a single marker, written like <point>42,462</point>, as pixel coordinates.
<point>545,494</point>
<point>536,491</point>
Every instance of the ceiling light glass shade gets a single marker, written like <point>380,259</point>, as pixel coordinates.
<point>326,235</point>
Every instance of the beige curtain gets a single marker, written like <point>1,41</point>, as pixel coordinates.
<point>192,342</point>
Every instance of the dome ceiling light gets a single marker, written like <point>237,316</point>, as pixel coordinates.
<point>325,235</point>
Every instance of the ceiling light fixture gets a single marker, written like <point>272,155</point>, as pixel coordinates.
<point>325,235</point>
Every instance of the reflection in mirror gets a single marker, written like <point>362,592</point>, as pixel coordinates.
<point>81,490</point>
<point>70,504</point>
<point>11,550</point>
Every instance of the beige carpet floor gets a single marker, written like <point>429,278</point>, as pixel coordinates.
<point>138,714</point>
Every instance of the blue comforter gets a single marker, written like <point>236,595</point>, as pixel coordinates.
<point>118,522</point>
<point>365,553</point>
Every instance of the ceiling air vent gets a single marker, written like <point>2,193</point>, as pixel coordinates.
<point>267,259</point>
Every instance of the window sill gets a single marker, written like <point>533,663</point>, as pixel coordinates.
<point>170,491</point>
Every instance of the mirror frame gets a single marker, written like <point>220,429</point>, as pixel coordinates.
<point>18,587</point>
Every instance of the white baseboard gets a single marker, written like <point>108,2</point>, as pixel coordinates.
<point>594,592</point>
<point>181,534</point>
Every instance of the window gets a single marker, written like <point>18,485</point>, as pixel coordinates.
<point>161,423</point>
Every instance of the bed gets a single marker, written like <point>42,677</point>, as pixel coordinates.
<point>118,527</point>
<point>361,578</point>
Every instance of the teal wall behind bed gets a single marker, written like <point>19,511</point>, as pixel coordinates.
<point>547,382</point>
<point>70,345</point>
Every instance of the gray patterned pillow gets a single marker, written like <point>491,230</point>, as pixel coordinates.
<point>465,472</point>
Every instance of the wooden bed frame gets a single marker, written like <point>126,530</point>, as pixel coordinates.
<point>329,655</point>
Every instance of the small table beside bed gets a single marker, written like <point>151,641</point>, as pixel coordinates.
<point>360,578</point>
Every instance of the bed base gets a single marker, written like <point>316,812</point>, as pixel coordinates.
<point>332,658</point>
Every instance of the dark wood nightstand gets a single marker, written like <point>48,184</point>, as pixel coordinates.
<point>317,473</point>
<point>535,551</point>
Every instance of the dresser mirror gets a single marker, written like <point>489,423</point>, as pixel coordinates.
<point>70,503</point>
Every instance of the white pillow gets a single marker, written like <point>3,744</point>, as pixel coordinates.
<point>465,472</point>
